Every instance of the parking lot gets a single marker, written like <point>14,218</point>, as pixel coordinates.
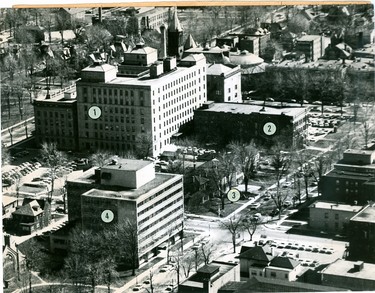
<point>309,255</point>
<point>321,124</point>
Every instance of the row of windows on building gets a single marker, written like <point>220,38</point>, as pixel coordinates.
<point>56,131</point>
<point>53,124</point>
<point>53,114</point>
<point>159,219</point>
<point>149,239</point>
<point>97,124</point>
<point>149,198</point>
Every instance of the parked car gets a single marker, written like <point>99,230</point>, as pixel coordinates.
<point>138,287</point>
<point>254,206</point>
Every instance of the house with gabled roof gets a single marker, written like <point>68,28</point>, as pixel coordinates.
<point>254,261</point>
<point>31,216</point>
<point>283,268</point>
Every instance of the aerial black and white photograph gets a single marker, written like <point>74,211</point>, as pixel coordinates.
<point>189,149</point>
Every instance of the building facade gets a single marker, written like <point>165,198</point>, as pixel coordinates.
<point>362,235</point>
<point>129,190</point>
<point>153,105</point>
<point>312,46</point>
<point>224,83</point>
<point>216,121</point>
<point>352,180</point>
<point>331,216</point>
<point>56,120</point>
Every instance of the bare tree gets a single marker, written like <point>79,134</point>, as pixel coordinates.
<point>234,226</point>
<point>207,250</point>
<point>251,224</point>
<point>126,233</point>
<point>54,160</point>
<point>222,174</point>
<point>247,157</point>
<point>143,145</point>
<point>280,162</point>
<point>368,122</point>
<point>187,263</point>
<point>97,38</point>
<point>304,167</point>
<point>100,158</point>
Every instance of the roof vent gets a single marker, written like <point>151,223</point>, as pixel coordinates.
<point>358,266</point>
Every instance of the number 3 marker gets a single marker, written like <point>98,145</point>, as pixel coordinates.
<point>234,195</point>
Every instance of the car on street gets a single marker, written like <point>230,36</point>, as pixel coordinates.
<point>138,287</point>
<point>254,206</point>
<point>165,268</point>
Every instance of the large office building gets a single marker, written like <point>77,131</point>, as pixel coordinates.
<point>352,180</point>
<point>129,190</point>
<point>155,104</point>
<point>216,121</point>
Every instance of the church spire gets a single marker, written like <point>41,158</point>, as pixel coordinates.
<point>174,24</point>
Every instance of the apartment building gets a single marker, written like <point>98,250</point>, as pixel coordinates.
<point>129,189</point>
<point>155,104</point>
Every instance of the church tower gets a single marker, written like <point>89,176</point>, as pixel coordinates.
<point>175,36</point>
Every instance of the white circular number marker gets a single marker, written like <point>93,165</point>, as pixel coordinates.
<point>234,195</point>
<point>95,112</point>
<point>107,216</point>
<point>269,128</point>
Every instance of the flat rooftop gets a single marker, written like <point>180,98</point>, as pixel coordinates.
<point>124,193</point>
<point>345,268</point>
<point>128,164</point>
<point>337,173</point>
<point>366,215</point>
<point>236,108</point>
<point>336,206</point>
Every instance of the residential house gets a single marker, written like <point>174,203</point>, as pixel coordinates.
<point>283,268</point>
<point>254,261</point>
<point>31,216</point>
